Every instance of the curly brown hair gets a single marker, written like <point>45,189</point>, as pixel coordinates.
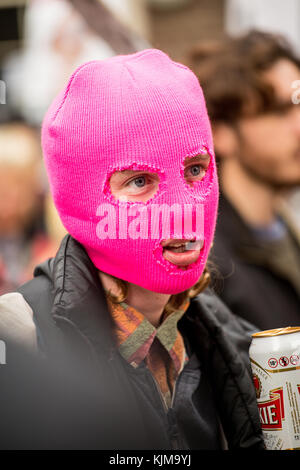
<point>231,74</point>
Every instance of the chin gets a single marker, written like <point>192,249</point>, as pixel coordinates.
<point>171,288</point>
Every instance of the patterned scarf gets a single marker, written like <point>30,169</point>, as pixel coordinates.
<point>161,348</point>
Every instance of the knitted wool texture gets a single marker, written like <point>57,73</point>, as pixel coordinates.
<point>140,111</point>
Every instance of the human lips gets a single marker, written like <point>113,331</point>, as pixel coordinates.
<point>182,252</point>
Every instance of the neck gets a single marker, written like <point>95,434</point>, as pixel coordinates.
<point>252,198</point>
<point>150,304</point>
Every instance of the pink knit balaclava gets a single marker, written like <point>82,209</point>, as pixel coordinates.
<point>141,112</point>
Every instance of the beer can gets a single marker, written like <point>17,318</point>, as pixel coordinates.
<point>275,363</point>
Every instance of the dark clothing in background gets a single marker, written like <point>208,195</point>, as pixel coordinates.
<point>73,324</point>
<point>258,273</point>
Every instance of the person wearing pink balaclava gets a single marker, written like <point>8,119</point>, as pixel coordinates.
<point>129,154</point>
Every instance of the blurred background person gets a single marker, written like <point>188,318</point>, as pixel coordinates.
<point>23,237</point>
<point>247,85</point>
<point>274,16</point>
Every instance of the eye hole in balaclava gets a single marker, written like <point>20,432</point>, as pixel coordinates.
<point>195,168</point>
<point>119,184</point>
<point>135,185</point>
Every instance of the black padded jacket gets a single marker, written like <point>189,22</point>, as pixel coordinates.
<point>72,320</point>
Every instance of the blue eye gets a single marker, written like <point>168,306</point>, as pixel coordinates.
<point>140,181</point>
<point>195,170</point>
<point>194,173</point>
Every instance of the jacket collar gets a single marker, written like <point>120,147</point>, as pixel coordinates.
<point>79,299</point>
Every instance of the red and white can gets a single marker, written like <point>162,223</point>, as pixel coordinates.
<point>275,363</point>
